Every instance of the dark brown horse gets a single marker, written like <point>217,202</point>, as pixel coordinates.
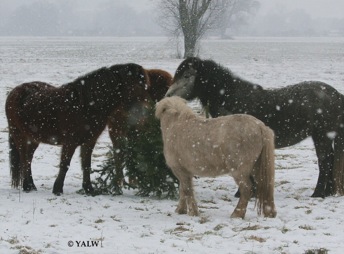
<point>121,119</point>
<point>72,115</point>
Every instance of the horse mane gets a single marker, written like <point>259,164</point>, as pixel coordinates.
<point>84,88</point>
<point>216,77</point>
<point>90,89</point>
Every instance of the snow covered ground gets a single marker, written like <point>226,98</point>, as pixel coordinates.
<point>40,222</point>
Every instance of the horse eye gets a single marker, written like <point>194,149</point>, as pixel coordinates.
<point>187,75</point>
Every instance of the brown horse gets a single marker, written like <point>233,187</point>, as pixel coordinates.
<point>72,115</point>
<point>238,145</point>
<point>121,119</point>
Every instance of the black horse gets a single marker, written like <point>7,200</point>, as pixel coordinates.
<point>294,112</point>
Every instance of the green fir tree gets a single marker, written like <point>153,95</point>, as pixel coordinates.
<point>144,165</point>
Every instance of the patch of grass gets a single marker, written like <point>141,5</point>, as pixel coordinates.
<point>99,221</point>
<point>203,220</point>
<point>115,218</point>
<point>219,227</point>
<point>27,250</point>
<point>13,240</point>
<point>317,251</point>
<point>284,230</point>
<point>255,227</point>
<point>256,238</point>
<point>306,227</point>
<point>181,229</point>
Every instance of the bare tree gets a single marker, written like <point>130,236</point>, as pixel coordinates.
<point>191,18</point>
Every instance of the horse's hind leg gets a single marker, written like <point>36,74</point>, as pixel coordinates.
<point>66,156</point>
<point>325,154</point>
<point>28,184</point>
<point>245,188</point>
<point>254,188</point>
<point>86,155</point>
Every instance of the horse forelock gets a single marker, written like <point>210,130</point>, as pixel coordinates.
<point>190,62</point>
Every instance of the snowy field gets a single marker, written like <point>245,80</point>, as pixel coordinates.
<point>39,222</point>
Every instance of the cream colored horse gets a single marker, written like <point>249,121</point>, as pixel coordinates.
<point>238,145</point>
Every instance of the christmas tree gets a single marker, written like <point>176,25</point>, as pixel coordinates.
<point>144,164</point>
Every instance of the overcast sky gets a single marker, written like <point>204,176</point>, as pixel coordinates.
<point>315,8</point>
<point>137,17</point>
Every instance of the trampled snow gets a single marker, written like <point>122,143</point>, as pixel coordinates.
<point>39,222</point>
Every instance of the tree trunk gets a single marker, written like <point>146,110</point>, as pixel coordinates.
<point>190,43</point>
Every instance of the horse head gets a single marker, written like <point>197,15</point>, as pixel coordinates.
<point>159,82</point>
<point>133,91</point>
<point>184,80</point>
<point>173,106</point>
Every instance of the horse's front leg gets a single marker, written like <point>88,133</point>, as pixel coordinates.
<point>66,157</point>
<point>325,154</point>
<point>187,203</point>
<point>86,155</point>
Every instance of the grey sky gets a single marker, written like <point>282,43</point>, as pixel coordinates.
<point>109,17</point>
<point>315,8</point>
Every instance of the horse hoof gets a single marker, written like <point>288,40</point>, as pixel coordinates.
<point>181,211</point>
<point>318,195</point>
<point>88,190</point>
<point>29,187</point>
<point>58,193</point>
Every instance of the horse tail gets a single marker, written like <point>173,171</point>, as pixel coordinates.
<point>265,174</point>
<point>338,166</point>
<point>14,163</point>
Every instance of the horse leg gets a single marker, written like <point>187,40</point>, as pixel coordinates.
<point>118,132</point>
<point>338,167</point>
<point>245,188</point>
<point>66,157</point>
<point>325,154</point>
<point>254,188</point>
<point>86,155</point>
<point>119,156</point>
<point>187,203</point>
<point>28,184</point>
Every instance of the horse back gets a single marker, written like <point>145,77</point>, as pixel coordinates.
<point>44,113</point>
<point>212,147</point>
<point>294,112</point>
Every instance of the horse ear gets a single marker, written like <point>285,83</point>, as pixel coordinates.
<point>146,78</point>
<point>159,109</point>
<point>195,62</point>
<point>162,106</point>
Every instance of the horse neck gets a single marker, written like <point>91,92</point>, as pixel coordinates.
<point>93,101</point>
<point>226,90</point>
